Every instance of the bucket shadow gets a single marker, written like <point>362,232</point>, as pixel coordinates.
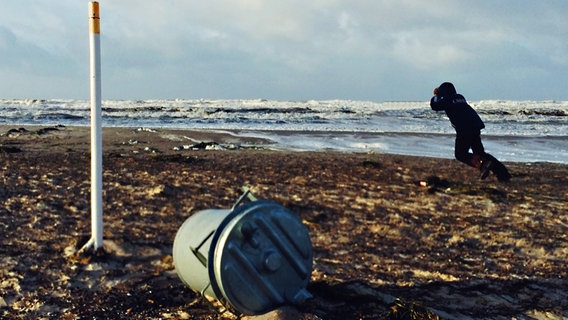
<point>471,299</point>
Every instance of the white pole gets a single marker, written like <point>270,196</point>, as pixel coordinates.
<point>96,128</point>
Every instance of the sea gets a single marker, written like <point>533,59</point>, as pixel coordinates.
<point>518,131</point>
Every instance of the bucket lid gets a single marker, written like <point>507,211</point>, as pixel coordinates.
<point>260,258</point>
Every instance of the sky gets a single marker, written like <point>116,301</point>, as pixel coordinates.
<point>370,50</point>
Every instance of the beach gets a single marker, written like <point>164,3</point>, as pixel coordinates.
<point>386,229</point>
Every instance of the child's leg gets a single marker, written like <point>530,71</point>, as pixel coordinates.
<point>461,149</point>
<point>496,166</point>
<point>479,156</point>
<point>476,145</point>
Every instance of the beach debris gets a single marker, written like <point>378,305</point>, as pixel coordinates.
<point>16,132</point>
<point>9,149</point>
<point>200,146</point>
<point>47,130</point>
<point>142,129</point>
<point>213,146</point>
<point>207,146</point>
<point>151,150</point>
<point>253,258</point>
<point>132,142</point>
<point>373,164</point>
<point>412,310</point>
<point>184,147</point>
<point>23,131</point>
<point>434,184</point>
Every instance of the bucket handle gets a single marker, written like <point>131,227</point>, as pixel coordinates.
<point>246,193</point>
<point>198,254</point>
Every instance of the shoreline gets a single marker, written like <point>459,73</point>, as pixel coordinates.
<point>172,140</point>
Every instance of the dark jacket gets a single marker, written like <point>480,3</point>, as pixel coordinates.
<point>461,114</point>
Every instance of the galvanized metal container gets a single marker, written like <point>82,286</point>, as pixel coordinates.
<point>255,257</point>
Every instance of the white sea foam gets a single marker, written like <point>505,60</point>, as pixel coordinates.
<point>515,130</point>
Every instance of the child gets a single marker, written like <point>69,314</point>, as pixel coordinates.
<point>468,127</point>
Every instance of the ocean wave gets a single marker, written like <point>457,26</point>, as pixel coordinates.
<point>58,116</point>
<point>520,118</point>
<point>528,112</point>
<point>261,110</point>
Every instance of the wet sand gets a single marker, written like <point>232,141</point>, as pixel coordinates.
<point>426,231</point>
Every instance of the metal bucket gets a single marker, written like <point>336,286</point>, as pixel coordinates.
<point>255,257</point>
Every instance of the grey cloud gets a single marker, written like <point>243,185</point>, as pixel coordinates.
<point>292,49</point>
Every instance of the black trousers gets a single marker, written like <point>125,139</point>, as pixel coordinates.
<point>466,140</point>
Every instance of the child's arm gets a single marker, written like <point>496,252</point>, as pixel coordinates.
<point>436,103</point>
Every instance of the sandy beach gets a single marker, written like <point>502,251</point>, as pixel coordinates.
<point>389,232</point>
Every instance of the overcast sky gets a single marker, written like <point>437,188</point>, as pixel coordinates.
<point>379,50</point>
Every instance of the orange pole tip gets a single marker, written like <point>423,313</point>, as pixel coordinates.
<point>94,16</point>
<point>94,9</point>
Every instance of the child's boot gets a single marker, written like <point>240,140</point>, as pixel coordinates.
<point>485,169</point>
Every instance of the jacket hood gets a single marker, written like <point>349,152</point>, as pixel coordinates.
<point>446,90</point>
